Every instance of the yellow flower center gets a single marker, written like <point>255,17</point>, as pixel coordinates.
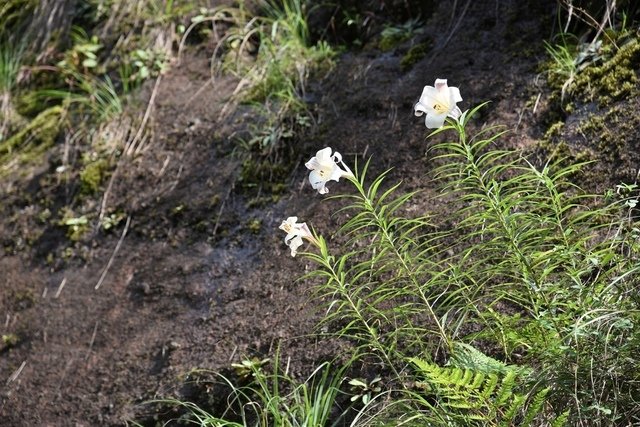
<point>325,170</point>
<point>440,109</point>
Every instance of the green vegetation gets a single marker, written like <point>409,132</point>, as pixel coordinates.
<point>83,54</point>
<point>81,90</point>
<point>593,86</point>
<point>536,272</point>
<point>601,72</point>
<point>613,79</point>
<point>273,57</point>
<point>485,396</point>
<point>13,15</point>
<point>28,144</point>
<point>271,398</point>
<point>8,341</point>
<point>68,82</point>
<point>10,61</point>
<point>523,313</point>
<point>394,35</point>
<point>77,226</point>
<point>540,269</point>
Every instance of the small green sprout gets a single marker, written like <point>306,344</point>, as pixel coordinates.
<point>365,391</point>
<point>10,340</point>
<point>77,226</point>
<point>84,52</point>
<point>249,367</point>
<point>111,221</point>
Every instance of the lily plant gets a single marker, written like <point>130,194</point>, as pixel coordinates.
<point>438,102</point>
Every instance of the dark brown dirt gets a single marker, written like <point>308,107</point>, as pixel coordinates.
<point>202,279</point>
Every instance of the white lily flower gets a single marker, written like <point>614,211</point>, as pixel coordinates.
<point>295,233</point>
<point>325,167</point>
<point>438,103</point>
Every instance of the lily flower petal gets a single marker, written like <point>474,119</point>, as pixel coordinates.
<point>434,121</point>
<point>294,243</point>
<point>318,182</point>
<point>295,233</point>
<point>325,167</point>
<point>438,102</point>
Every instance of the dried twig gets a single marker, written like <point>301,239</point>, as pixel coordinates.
<point>115,251</point>
<point>130,147</point>
<point>64,281</point>
<point>16,373</point>
<point>215,227</point>
<point>93,338</point>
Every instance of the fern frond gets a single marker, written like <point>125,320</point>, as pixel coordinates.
<point>482,396</point>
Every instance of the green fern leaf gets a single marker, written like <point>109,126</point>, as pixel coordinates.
<point>467,356</point>
<point>513,410</point>
<point>505,391</point>
<point>490,385</point>
<point>562,419</point>
<point>536,406</point>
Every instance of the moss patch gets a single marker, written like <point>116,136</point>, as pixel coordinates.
<point>607,135</point>
<point>254,225</point>
<point>415,54</point>
<point>614,79</point>
<point>264,175</point>
<point>30,104</point>
<point>388,42</point>
<point>597,117</point>
<point>613,133</point>
<point>22,300</point>
<point>34,139</point>
<point>92,175</point>
<point>8,341</point>
<point>553,144</point>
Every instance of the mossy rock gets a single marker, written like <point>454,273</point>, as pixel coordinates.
<point>35,138</point>
<point>557,147</point>
<point>44,128</point>
<point>605,136</point>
